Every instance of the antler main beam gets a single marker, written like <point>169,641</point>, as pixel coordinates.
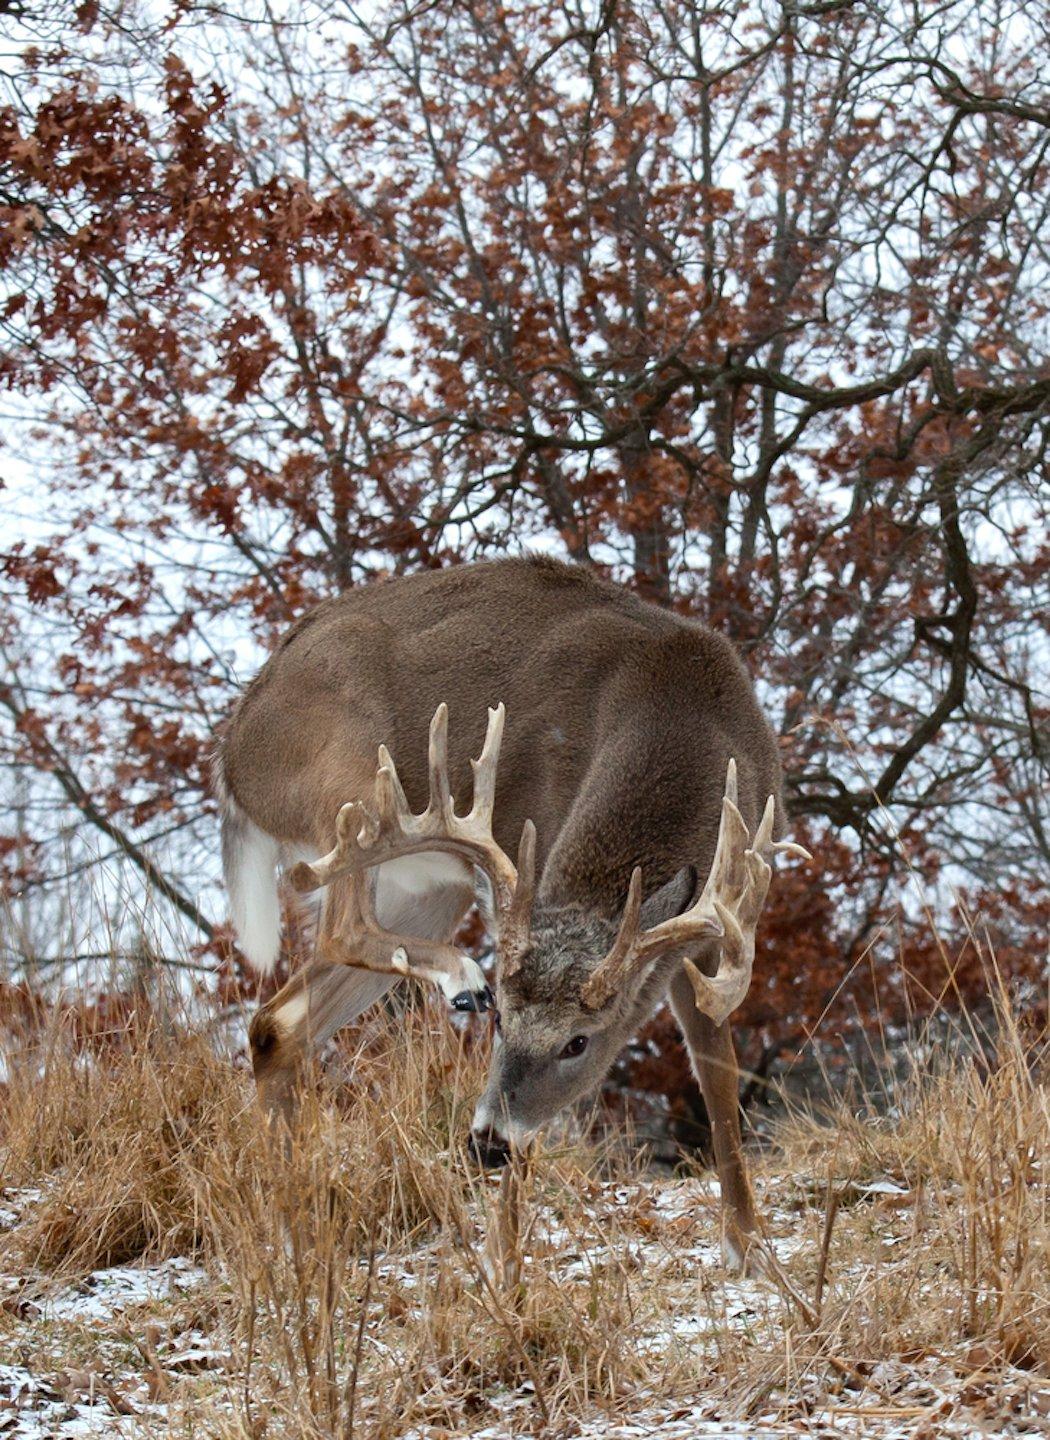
<point>370,837</point>
<point>728,909</point>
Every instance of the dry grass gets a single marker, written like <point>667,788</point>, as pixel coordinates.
<point>967,1142</point>
<point>365,1283</point>
<point>115,1138</point>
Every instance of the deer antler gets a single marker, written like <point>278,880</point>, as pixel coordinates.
<point>365,838</point>
<point>728,908</point>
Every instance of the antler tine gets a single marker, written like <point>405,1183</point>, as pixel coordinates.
<point>730,790</point>
<point>440,803</point>
<point>390,800</point>
<point>526,866</point>
<point>764,844</point>
<point>517,914</point>
<point>610,974</point>
<point>485,768</point>
<point>728,908</point>
<point>344,856</point>
<point>763,841</point>
<point>627,935</point>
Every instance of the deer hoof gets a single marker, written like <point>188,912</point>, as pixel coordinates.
<point>743,1256</point>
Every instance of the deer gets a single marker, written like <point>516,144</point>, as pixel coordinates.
<point>624,761</point>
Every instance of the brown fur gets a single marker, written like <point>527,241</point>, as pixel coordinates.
<point>621,718</point>
<point>604,694</point>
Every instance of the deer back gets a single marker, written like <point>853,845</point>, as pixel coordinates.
<point>620,718</point>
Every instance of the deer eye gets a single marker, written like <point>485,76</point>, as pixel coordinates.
<point>576,1046</point>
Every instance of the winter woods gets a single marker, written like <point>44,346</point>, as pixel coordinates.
<point>743,305</point>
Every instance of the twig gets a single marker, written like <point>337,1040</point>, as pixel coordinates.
<point>503,1242</point>
<point>830,1211</point>
<point>359,1342</point>
<point>248,1358</point>
<point>777,1272</point>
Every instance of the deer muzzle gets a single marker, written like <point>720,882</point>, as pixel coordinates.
<point>488,1149</point>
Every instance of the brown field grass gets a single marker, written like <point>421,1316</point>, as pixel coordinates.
<point>367,1283</point>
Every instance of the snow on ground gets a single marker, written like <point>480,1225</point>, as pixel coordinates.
<point>67,1405</point>
<point>122,1357</point>
<point>107,1293</point>
<point>91,1322</point>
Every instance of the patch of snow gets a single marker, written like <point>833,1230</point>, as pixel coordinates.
<point>190,1359</point>
<point>15,1202</point>
<point>669,1422</point>
<point>107,1292</point>
<point>35,1409</point>
<point>880,1187</point>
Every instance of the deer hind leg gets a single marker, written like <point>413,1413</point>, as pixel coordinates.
<point>428,900</point>
<point>714,1063</point>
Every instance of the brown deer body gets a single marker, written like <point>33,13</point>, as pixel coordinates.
<point>621,722</point>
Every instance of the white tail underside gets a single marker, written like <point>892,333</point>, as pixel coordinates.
<point>249,858</point>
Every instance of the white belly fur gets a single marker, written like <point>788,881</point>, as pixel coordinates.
<point>417,876</point>
<point>405,890</point>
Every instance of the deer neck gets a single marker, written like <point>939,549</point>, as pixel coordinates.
<point>637,805</point>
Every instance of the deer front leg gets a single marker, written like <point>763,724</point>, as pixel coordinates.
<point>714,1063</point>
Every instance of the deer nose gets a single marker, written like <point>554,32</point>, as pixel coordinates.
<point>488,1149</point>
<point>481,1000</point>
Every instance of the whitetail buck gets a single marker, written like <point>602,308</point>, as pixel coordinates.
<point>634,743</point>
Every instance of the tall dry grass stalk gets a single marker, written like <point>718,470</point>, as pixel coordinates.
<point>366,1281</point>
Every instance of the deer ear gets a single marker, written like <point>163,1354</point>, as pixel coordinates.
<point>671,899</point>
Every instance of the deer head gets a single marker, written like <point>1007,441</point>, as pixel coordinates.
<point>569,1002</point>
